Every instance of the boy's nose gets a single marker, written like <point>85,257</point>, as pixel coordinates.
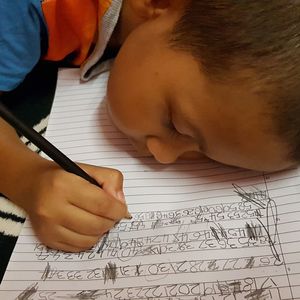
<point>167,152</point>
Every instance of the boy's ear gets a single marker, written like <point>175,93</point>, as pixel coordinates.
<point>136,12</point>
<point>148,9</point>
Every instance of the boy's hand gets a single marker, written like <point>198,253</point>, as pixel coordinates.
<point>67,212</point>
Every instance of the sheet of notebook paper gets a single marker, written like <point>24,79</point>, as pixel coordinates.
<point>200,230</point>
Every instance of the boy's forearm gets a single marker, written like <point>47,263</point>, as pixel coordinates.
<point>16,162</point>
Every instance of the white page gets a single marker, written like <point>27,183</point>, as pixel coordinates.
<point>199,230</point>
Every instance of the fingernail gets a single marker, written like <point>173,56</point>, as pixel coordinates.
<point>128,216</point>
<point>121,196</point>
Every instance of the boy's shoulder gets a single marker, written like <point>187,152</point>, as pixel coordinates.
<point>22,29</point>
<point>53,30</point>
<point>72,26</point>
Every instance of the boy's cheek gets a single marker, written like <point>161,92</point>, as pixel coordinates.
<point>192,155</point>
<point>140,147</point>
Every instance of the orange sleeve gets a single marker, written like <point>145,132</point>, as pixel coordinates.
<point>72,27</point>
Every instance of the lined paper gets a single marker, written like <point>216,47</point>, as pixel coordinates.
<point>200,231</point>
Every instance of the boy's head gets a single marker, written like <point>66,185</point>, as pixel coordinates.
<point>219,78</point>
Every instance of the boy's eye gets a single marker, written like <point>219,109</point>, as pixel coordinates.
<point>173,130</point>
<point>169,124</point>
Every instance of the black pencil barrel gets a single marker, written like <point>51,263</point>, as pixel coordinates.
<point>38,140</point>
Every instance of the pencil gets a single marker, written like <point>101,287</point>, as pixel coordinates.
<point>43,144</point>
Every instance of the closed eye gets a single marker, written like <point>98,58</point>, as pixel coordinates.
<point>173,131</point>
<point>169,124</point>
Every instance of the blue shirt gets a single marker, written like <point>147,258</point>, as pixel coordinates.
<point>23,39</point>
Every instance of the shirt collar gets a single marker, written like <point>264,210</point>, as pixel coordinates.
<point>92,66</point>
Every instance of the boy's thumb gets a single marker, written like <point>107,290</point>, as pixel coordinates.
<point>110,180</point>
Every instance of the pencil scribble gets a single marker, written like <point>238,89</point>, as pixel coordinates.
<point>257,197</point>
<point>103,242</point>
<point>138,271</point>
<point>46,272</point>
<point>213,265</point>
<point>254,231</point>
<point>110,272</point>
<point>250,263</point>
<point>86,295</point>
<point>262,293</point>
<point>262,200</point>
<point>214,233</point>
<point>28,292</point>
<point>156,224</point>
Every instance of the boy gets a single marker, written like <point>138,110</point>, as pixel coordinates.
<point>219,78</point>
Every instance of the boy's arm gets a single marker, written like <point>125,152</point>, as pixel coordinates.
<point>15,160</point>
<point>67,212</point>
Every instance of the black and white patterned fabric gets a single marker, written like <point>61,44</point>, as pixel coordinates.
<point>31,102</point>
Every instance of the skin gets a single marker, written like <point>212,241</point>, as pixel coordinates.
<point>163,101</point>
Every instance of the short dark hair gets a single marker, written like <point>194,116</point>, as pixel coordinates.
<point>261,35</point>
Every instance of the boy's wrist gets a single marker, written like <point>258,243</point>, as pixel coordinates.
<point>23,176</point>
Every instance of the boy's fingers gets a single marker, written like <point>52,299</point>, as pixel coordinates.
<point>76,240</point>
<point>113,185</point>
<point>111,180</point>
<point>65,247</point>
<point>96,201</point>
<point>59,235</point>
<point>84,222</point>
